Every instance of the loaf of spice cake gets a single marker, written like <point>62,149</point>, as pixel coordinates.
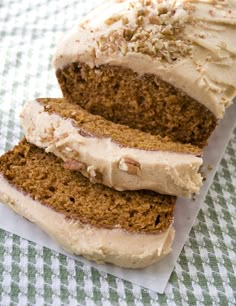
<point>109,153</point>
<point>164,67</point>
<point>131,229</point>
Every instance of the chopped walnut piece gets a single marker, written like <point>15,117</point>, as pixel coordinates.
<point>146,2</point>
<point>112,19</point>
<point>140,20</point>
<point>129,165</point>
<point>125,20</point>
<point>94,175</point>
<point>162,10</point>
<point>128,34</point>
<point>157,30</point>
<point>167,30</point>
<point>74,165</point>
<point>154,20</point>
<point>142,12</point>
<point>47,107</point>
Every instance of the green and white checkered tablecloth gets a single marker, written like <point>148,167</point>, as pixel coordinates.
<point>205,273</point>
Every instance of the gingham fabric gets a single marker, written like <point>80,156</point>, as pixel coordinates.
<point>205,273</point>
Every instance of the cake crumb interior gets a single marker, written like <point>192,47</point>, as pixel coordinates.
<point>143,102</point>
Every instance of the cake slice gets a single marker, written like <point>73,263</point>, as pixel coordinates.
<point>112,154</point>
<point>129,229</point>
<point>164,67</point>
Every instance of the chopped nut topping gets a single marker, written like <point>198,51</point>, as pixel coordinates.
<point>129,165</point>
<point>157,31</point>
<point>142,12</point>
<point>112,20</point>
<point>74,165</point>
<point>84,133</point>
<point>162,10</point>
<point>146,2</point>
<point>95,176</point>
<point>167,30</point>
<point>128,34</point>
<point>154,20</point>
<point>125,20</point>
<point>47,107</point>
<point>140,20</point>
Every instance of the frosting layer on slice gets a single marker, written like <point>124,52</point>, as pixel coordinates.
<point>129,250</point>
<point>102,150</point>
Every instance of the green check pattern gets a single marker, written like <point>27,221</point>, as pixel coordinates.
<point>205,273</point>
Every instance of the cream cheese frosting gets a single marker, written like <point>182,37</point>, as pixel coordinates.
<point>104,161</point>
<point>189,44</point>
<point>101,245</point>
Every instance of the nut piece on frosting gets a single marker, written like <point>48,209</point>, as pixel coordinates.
<point>74,165</point>
<point>94,175</point>
<point>129,165</point>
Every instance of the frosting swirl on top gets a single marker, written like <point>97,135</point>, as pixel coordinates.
<point>190,44</point>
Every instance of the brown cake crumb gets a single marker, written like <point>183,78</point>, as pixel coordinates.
<point>97,126</point>
<point>141,102</point>
<point>43,177</point>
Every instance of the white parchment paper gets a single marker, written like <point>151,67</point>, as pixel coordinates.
<point>156,276</point>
